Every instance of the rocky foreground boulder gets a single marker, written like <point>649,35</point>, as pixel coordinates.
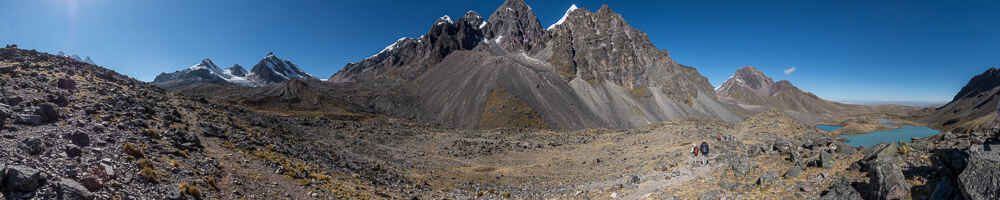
<point>886,175</point>
<point>981,177</point>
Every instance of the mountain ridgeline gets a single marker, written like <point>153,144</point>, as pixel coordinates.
<point>974,108</point>
<point>753,91</point>
<point>268,70</point>
<point>590,70</point>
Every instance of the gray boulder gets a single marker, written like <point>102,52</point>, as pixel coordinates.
<point>29,119</point>
<point>795,171</point>
<point>79,138</point>
<point>767,179</point>
<point>5,112</point>
<point>981,177</point>
<point>70,189</point>
<point>23,179</point>
<point>841,190</point>
<point>825,160</point>
<point>66,84</point>
<point>32,146</point>
<point>48,112</point>
<point>886,176</point>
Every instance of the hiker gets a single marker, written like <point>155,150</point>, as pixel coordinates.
<point>694,152</point>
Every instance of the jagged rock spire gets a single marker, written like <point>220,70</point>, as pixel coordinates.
<point>515,27</point>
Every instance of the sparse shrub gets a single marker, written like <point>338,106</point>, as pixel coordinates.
<point>132,150</point>
<point>173,163</point>
<point>189,189</point>
<point>152,133</point>
<point>211,182</point>
<point>147,171</point>
<point>506,195</point>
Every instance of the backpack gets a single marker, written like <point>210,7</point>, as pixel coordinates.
<point>704,148</point>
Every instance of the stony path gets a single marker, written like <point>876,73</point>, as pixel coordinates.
<point>685,174</point>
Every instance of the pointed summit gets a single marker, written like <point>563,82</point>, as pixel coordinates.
<point>750,78</point>
<point>444,19</point>
<point>272,69</point>
<point>515,27</point>
<point>237,70</point>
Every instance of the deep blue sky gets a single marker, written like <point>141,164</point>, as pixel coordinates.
<point>857,50</point>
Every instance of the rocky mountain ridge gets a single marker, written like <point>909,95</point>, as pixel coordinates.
<point>974,108</point>
<point>610,74</point>
<point>752,90</point>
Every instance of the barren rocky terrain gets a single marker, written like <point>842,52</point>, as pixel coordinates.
<point>77,131</point>
<point>475,109</point>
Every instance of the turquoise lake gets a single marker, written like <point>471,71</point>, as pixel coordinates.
<point>827,127</point>
<point>888,136</point>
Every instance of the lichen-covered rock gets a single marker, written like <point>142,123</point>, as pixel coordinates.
<point>981,177</point>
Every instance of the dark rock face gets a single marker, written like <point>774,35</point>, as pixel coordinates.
<point>237,70</point>
<point>981,177</point>
<point>980,83</point>
<point>515,28</point>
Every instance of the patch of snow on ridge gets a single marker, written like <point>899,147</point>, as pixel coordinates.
<point>498,40</point>
<point>563,19</point>
<point>389,48</point>
<point>483,25</point>
<point>445,18</point>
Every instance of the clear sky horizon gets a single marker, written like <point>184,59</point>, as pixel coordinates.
<point>839,50</point>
